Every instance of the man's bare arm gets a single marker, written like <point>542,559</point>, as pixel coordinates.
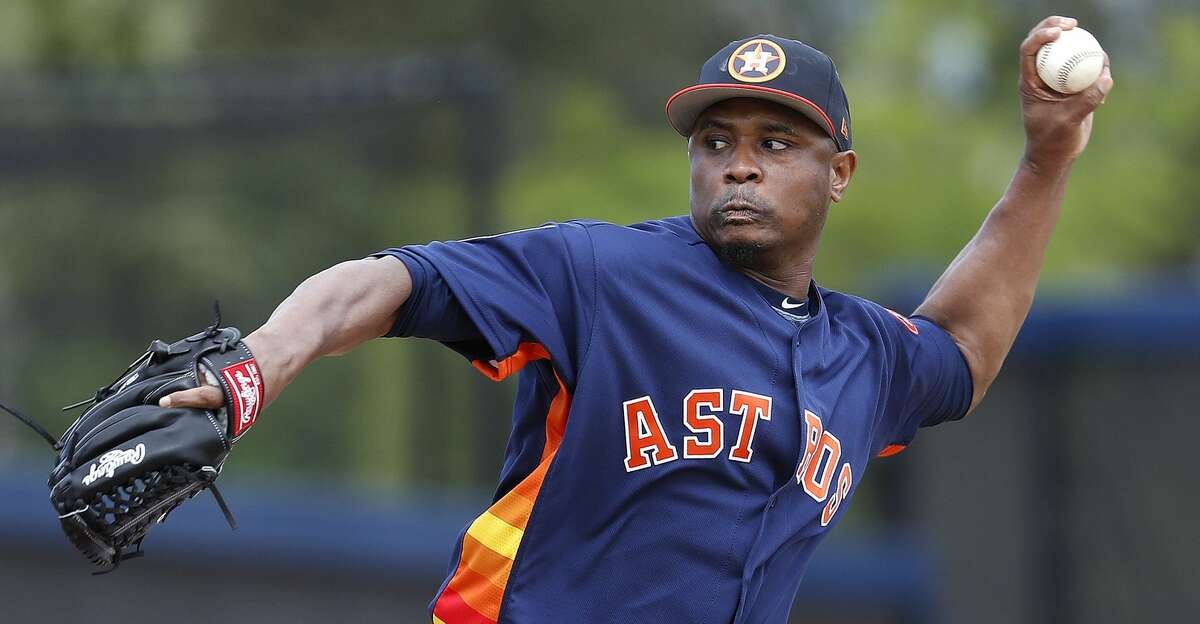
<point>329,313</point>
<point>985,294</point>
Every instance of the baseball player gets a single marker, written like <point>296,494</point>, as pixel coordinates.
<point>694,412</point>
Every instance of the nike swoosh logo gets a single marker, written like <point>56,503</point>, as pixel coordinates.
<point>787,305</point>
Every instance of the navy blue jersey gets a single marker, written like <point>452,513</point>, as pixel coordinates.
<point>679,447</point>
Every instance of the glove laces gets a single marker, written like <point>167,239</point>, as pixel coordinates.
<point>54,444</point>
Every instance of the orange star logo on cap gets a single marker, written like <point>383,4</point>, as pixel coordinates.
<point>757,60</point>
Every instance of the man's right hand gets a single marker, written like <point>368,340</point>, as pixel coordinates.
<point>203,397</point>
<point>210,397</point>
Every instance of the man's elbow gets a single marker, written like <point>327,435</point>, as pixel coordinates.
<point>983,359</point>
<point>984,365</point>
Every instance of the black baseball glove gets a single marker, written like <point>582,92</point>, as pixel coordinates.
<point>126,462</point>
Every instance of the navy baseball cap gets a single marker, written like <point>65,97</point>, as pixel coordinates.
<point>766,67</point>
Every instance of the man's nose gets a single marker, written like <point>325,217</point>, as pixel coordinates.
<point>742,168</point>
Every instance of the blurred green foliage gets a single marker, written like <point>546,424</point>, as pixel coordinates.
<point>99,256</point>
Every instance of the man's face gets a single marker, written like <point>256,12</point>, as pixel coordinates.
<point>763,176</point>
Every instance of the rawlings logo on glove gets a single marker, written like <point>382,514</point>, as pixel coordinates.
<point>246,379</point>
<point>110,461</point>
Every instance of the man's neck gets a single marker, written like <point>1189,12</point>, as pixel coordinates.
<point>793,281</point>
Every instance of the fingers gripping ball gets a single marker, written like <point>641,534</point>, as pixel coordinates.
<point>1072,62</point>
<point>126,462</point>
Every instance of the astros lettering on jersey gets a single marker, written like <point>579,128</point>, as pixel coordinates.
<point>683,436</point>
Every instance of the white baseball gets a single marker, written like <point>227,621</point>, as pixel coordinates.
<point>1072,62</point>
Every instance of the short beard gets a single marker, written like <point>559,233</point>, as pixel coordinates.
<point>741,255</point>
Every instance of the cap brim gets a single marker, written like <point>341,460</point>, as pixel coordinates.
<point>685,106</point>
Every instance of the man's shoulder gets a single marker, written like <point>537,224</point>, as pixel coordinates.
<point>677,227</point>
<point>666,237</point>
<point>837,300</point>
<point>852,311</point>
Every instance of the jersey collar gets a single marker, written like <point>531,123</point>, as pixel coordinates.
<point>818,322</point>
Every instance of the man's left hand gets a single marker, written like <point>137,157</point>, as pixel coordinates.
<point>1057,125</point>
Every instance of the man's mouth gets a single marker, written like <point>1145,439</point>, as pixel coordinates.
<point>739,212</point>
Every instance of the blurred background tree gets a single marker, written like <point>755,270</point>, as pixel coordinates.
<point>935,121</point>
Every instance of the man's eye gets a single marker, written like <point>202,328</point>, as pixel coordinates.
<point>775,144</point>
<point>717,144</point>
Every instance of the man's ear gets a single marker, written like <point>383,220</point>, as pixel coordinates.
<point>841,169</point>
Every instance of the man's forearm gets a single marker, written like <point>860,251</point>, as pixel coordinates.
<point>985,294</point>
<point>983,297</point>
<point>329,313</point>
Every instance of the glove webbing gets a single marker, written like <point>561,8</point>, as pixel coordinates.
<point>125,499</point>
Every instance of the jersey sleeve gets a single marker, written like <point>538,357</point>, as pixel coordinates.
<point>930,381</point>
<point>490,297</point>
<point>432,311</point>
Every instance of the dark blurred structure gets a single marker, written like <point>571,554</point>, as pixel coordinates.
<point>1065,498</point>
